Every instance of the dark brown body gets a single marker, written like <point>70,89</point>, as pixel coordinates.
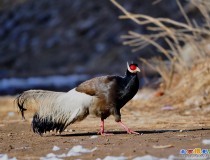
<point>112,92</point>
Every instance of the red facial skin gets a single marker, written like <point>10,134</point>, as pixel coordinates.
<point>133,67</point>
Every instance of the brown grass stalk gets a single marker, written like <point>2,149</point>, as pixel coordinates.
<point>173,33</point>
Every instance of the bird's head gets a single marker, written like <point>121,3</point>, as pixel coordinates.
<point>133,68</point>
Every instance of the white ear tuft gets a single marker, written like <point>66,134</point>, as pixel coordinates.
<point>128,66</point>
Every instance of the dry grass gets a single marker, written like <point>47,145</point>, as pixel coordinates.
<point>180,59</point>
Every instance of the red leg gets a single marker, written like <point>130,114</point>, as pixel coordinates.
<point>127,129</point>
<point>102,129</point>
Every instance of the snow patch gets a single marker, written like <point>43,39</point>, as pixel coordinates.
<point>147,157</point>
<point>5,157</point>
<point>115,158</point>
<point>77,150</point>
<point>206,141</point>
<point>94,136</point>
<point>74,151</point>
<point>50,156</point>
<point>56,148</point>
<point>11,84</point>
<point>11,114</point>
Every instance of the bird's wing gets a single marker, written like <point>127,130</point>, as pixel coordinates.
<point>54,110</point>
<point>96,86</point>
<point>100,86</point>
<point>104,90</point>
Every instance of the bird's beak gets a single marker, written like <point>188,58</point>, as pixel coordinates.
<point>138,70</point>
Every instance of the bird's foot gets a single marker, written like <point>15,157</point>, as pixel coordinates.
<point>129,131</point>
<point>105,134</point>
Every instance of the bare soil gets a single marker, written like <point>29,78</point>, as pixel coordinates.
<point>163,133</point>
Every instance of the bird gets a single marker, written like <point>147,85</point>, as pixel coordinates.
<point>100,96</point>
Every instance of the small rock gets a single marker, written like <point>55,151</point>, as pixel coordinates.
<point>9,134</point>
<point>11,147</point>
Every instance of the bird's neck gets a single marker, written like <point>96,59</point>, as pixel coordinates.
<point>129,74</point>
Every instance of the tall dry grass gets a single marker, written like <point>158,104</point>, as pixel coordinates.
<point>174,33</point>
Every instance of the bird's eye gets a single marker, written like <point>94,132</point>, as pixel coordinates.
<point>132,67</point>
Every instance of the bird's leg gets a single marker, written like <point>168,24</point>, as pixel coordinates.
<point>127,129</point>
<point>117,116</point>
<point>102,129</point>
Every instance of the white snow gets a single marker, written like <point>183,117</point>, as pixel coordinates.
<point>77,150</point>
<point>94,136</point>
<point>206,141</point>
<point>74,151</point>
<point>5,157</point>
<point>50,156</point>
<point>11,114</point>
<point>115,158</point>
<point>56,148</point>
<point>147,157</point>
<point>55,81</point>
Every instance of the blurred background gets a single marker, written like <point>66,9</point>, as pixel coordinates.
<point>56,45</point>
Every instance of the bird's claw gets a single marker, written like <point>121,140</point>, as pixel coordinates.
<point>129,131</point>
<point>105,134</point>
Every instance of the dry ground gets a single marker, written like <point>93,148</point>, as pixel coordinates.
<point>168,120</point>
<point>176,127</point>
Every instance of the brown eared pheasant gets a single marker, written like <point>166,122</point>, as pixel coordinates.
<point>101,96</point>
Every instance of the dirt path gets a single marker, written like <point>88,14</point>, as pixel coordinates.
<point>163,134</point>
